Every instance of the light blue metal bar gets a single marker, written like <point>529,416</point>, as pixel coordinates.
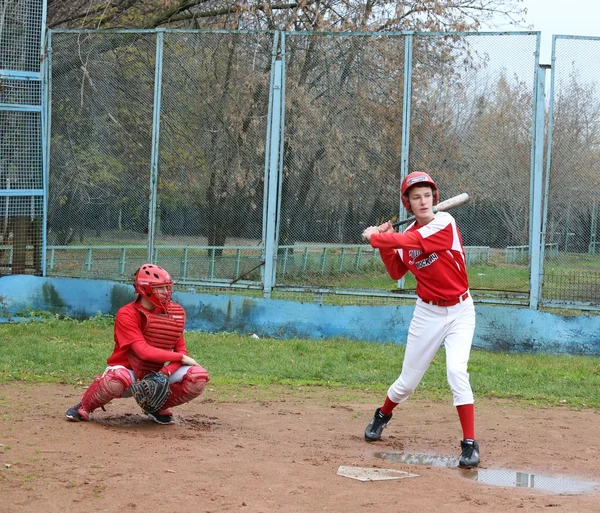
<point>405,157</point>
<point>323,261</point>
<point>165,30</point>
<point>548,154</point>
<point>275,128</point>
<point>212,265</point>
<point>22,192</point>
<point>286,252</point>
<point>593,229</point>
<point>184,271</point>
<point>161,246</point>
<point>408,32</point>
<point>46,134</point>
<point>238,262</point>
<point>122,260</point>
<point>406,110</point>
<point>268,148</point>
<point>43,30</point>
<point>282,140</point>
<point>533,138</point>
<point>565,36</point>
<point>341,264</point>
<point>155,142</point>
<point>305,259</point>
<point>20,75</point>
<point>21,108</point>
<point>357,260</point>
<point>535,227</point>
<point>88,261</point>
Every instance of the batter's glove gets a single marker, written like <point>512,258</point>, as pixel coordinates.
<point>151,392</point>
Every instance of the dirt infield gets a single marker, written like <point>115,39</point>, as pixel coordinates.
<point>279,455</point>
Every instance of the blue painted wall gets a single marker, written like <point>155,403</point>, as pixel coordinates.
<point>503,329</point>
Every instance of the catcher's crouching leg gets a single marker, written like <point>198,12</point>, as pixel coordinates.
<point>105,388</point>
<point>191,386</point>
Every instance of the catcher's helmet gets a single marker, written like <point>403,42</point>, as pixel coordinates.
<point>418,178</point>
<point>148,279</point>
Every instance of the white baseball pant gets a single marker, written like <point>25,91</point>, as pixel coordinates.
<point>430,327</point>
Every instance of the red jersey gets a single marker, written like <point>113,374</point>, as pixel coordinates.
<point>129,326</point>
<point>434,253</point>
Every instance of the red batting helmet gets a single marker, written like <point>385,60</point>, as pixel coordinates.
<point>418,178</point>
<point>148,278</point>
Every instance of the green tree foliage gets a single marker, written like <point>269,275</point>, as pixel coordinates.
<point>344,101</point>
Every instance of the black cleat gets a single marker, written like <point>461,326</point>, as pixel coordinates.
<point>161,419</point>
<point>77,413</point>
<point>470,453</point>
<point>375,427</point>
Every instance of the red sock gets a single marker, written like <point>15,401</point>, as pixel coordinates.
<point>466,414</point>
<point>388,406</point>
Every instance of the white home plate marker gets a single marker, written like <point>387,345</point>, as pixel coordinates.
<point>373,474</point>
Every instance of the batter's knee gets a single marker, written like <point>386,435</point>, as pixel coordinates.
<point>404,386</point>
<point>457,374</point>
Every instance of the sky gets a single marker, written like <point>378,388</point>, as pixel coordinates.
<point>562,17</point>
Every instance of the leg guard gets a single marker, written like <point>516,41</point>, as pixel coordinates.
<point>106,387</point>
<point>190,387</point>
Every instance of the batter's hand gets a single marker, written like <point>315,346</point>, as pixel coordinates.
<point>386,227</point>
<point>371,230</point>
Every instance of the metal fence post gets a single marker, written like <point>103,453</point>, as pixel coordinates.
<point>535,228</point>
<point>46,118</point>
<point>275,131</point>
<point>155,142</point>
<point>406,101</point>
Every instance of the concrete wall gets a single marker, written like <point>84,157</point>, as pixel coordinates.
<point>505,329</point>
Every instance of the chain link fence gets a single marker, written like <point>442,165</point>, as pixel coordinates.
<point>571,217</point>
<point>160,149</point>
<point>341,159</point>
<point>102,98</point>
<point>471,127</point>
<point>21,144</point>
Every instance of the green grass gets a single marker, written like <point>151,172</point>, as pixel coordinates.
<point>69,351</point>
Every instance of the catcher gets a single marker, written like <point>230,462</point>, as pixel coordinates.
<point>149,361</point>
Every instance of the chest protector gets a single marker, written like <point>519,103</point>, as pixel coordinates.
<point>161,330</point>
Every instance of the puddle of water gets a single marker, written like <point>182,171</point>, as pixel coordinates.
<point>496,477</point>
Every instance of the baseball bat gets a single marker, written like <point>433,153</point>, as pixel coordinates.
<point>449,204</point>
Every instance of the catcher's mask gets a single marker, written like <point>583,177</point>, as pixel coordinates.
<point>418,178</point>
<point>149,279</point>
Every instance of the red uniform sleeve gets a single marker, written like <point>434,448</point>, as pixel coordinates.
<point>393,240</point>
<point>389,243</point>
<point>393,263</point>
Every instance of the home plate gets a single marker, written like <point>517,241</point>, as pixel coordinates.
<point>373,474</point>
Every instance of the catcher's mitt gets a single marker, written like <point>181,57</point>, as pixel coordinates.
<point>151,392</point>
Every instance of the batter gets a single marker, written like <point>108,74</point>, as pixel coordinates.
<point>431,248</point>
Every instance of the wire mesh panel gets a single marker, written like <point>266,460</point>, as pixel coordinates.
<point>102,110</point>
<point>21,224</point>
<point>215,96</point>
<point>21,162</point>
<point>20,91</point>
<point>471,128</point>
<point>341,160</point>
<point>572,273</point>
<point>20,150</point>
<point>20,34</point>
